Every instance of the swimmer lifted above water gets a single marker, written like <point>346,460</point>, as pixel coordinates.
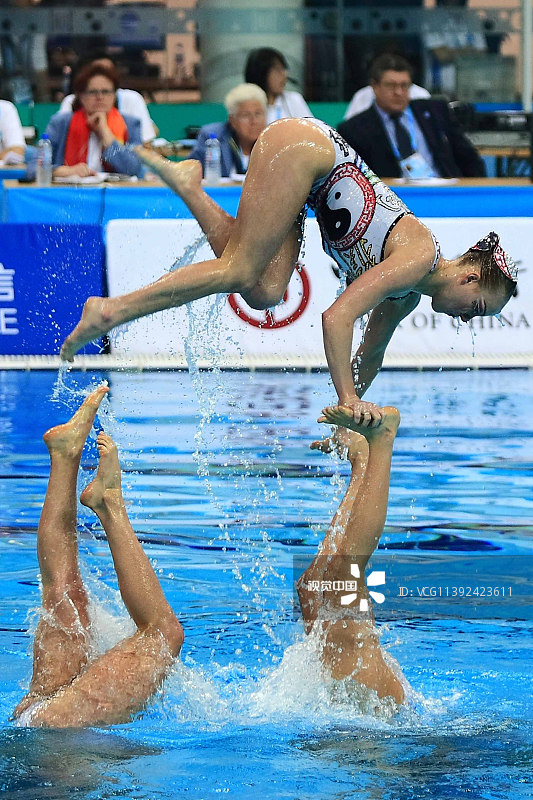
<point>390,258</point>
<point>67,688</point>
<point>348,636</point>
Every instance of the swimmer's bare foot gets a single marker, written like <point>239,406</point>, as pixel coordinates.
<point>96,319</point>
<point>68,439</point>
<point>183,177</point>
<point>348,444</point>
<point>342,415</point>
<point>108,476</point>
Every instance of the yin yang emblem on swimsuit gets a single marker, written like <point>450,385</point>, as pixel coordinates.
<point>346,191</point>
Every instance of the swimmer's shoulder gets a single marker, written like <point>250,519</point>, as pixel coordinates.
<point>412,235</point>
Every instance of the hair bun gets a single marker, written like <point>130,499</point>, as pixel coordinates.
<point>489,242</point>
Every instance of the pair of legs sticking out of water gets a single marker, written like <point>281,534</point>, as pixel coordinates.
<point>72,688</point>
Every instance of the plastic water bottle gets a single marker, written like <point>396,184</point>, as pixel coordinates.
<point>213,161</point>
<point>44,161</point>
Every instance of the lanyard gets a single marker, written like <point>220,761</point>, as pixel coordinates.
<point>411,131</point>
<point>280,102</point>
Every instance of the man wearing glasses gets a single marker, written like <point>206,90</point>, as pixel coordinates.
<point>410,139</point>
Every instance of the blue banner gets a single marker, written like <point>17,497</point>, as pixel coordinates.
<point>46,274</point>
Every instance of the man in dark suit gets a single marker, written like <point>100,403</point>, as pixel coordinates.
<point>418,139</point>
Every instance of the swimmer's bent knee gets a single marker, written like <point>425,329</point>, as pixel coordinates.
<point>263,297</point>
<point>173,634</point>
<point>241,281</point>
<point>244,275</point>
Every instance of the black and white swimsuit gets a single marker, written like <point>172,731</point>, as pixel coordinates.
<point>355,210</point>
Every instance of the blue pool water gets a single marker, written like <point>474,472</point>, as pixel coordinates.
<point>225,494</point>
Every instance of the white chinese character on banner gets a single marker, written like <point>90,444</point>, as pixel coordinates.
<point>7,284</point>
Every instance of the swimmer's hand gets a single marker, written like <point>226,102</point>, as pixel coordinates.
<point>357,413</point>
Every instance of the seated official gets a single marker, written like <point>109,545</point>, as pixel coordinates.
<point>12,144</point>
<point>365,97</point>
<point>92,138</point>
<point>418,139</point>
<point>246,106</point>
<point>129,103</point>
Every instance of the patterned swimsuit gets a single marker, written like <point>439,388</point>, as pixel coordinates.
<point>355,210</point>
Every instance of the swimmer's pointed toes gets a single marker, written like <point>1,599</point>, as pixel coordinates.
<point>65,353</point>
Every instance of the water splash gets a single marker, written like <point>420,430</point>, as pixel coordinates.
<point>296,692</point>
<point>204,346</point>
<point>473,335</point>
<point>66,392</point>
<point>70,394</point>
<point>190,253</point>
<point>457,321</point>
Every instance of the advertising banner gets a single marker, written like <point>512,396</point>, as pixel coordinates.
<point>232,333</point>
<point>46,274</point>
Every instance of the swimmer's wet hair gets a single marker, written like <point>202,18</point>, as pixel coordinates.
<point>241,94</point>
<point>496,268</point>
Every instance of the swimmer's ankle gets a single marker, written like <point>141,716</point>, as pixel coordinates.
<point>390,423</point>
<point>112,498</point>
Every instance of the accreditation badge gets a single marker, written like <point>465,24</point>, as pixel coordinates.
<point>415,166</point>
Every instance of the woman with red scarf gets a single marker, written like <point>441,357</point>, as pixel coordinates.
<point>92,138</point>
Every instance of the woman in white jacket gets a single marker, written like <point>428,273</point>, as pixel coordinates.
<point>12,142</point>
<point>268,69</point>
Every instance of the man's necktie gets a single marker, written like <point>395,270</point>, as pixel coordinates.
<point>403,140</point>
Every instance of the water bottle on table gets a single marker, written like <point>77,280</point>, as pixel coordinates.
<point>213,161</point>
<point>44,161</point>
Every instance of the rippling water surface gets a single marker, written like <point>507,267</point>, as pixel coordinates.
<point>226,496</point>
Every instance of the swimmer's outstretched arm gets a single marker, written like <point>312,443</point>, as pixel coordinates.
<point>400,272</point>
<point>358,524</point>
<point>381,325</point>
<point>360,298</point>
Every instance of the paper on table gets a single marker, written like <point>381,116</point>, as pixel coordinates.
<point>221,182</point>
<point>100,177</point>
<point>12,159</point>
<point>237,177</point>
<point>427,181</point>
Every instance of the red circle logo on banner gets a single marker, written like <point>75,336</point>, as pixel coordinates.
<point>285,313</point>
